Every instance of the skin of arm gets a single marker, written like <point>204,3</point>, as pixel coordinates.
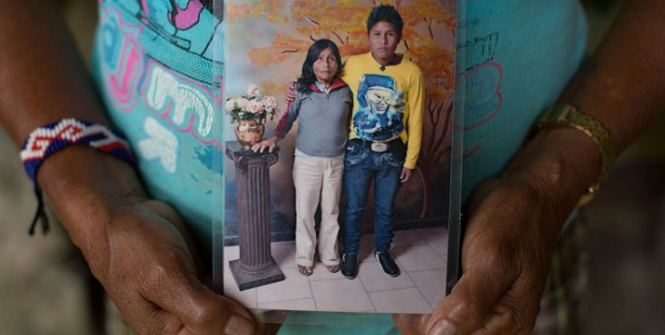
<point>514,220</point>
<point>138,248</point>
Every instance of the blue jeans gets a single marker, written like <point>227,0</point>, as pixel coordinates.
<point>361,166</point>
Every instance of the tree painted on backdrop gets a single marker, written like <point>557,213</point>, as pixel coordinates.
<point>344,22</point>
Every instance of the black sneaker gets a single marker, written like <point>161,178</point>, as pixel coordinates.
<point>387,263</point>
<point>349,266</point>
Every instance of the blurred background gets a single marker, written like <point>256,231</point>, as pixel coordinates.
<point>45,287</point>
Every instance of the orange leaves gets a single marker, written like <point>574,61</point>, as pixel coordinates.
<point>424,11</point>
<point>436,61</point>
<point>428,37</point>
<point>282,48</point>
<point>237,11</point>
<point>272,88</point>
<point>341,22</point>
<point>269,10</point>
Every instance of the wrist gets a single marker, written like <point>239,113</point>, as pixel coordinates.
<point>559,164</point>
<point>85,187</point>
<point>541,183</point>
<point>567,116</point>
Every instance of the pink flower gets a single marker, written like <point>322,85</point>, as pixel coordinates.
<point>230,105</point>
<point>242,103</point>
<point>253,90</point>
<point>255,106</point>
<point>270,103</point>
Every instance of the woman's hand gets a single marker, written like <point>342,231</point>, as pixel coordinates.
<point>513,224</point>
<point>515,219</point>
<point>269,143</point>
<point>139,249</point>
<point>151,276</point>
<point>506,260</point>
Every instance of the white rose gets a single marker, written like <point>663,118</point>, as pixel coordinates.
<point>230,105</point>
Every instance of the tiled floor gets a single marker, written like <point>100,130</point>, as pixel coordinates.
<point>421,255</point>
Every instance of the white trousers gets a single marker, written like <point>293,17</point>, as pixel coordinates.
<point>317,179</point>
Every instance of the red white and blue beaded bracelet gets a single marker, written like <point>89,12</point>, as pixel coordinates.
<point>46,140</point>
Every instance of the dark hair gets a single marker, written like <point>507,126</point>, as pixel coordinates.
<point>307,77</point>
<point>385,13</point>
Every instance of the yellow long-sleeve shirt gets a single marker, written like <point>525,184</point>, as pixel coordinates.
<point>388,103</point>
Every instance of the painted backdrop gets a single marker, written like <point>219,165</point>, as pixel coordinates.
<point>266,42</point>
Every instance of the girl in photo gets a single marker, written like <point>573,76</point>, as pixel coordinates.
<point>322,107</point>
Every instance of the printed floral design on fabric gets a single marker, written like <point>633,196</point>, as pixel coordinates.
<point>380,109</point>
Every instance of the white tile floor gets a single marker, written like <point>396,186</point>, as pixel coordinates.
<point>421,255</point>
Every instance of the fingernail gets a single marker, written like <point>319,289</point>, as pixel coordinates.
<point>443,328</point>
<point>238,325</point>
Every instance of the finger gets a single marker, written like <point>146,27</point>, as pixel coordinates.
<point>469,305</point>
<point>406,174</point>
<point>411,324</point>
<point>517,310</point>
<point>272,147</point>
<point>198,310</point>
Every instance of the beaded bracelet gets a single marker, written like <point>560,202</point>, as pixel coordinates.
<point>46,140</point>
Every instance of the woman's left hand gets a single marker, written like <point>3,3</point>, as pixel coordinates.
<point>514,221</point>
<point>270,143</point>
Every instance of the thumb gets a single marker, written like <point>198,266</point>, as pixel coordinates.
<point>195,309</point>
<point>469,305</point>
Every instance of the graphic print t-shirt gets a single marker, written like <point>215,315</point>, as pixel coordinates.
<point>154,64</point>
<point>389,102</point>
<point>381,109</point>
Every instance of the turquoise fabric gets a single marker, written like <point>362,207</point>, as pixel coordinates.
<point>518,56</point>
<point>155,70</point>
<point>156,74</point>
<point>302,323</point>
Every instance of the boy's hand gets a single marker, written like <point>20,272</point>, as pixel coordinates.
<point>290,92</point>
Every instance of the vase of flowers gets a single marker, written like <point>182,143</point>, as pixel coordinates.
<point>250,112</point>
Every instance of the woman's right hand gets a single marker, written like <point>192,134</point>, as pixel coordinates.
<point>150,274</point>
<point>269,143</point>
<point>138,248</point>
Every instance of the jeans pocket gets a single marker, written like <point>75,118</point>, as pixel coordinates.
<point>394,159</point>
<point>355,153</point>
<point>396,156</point>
